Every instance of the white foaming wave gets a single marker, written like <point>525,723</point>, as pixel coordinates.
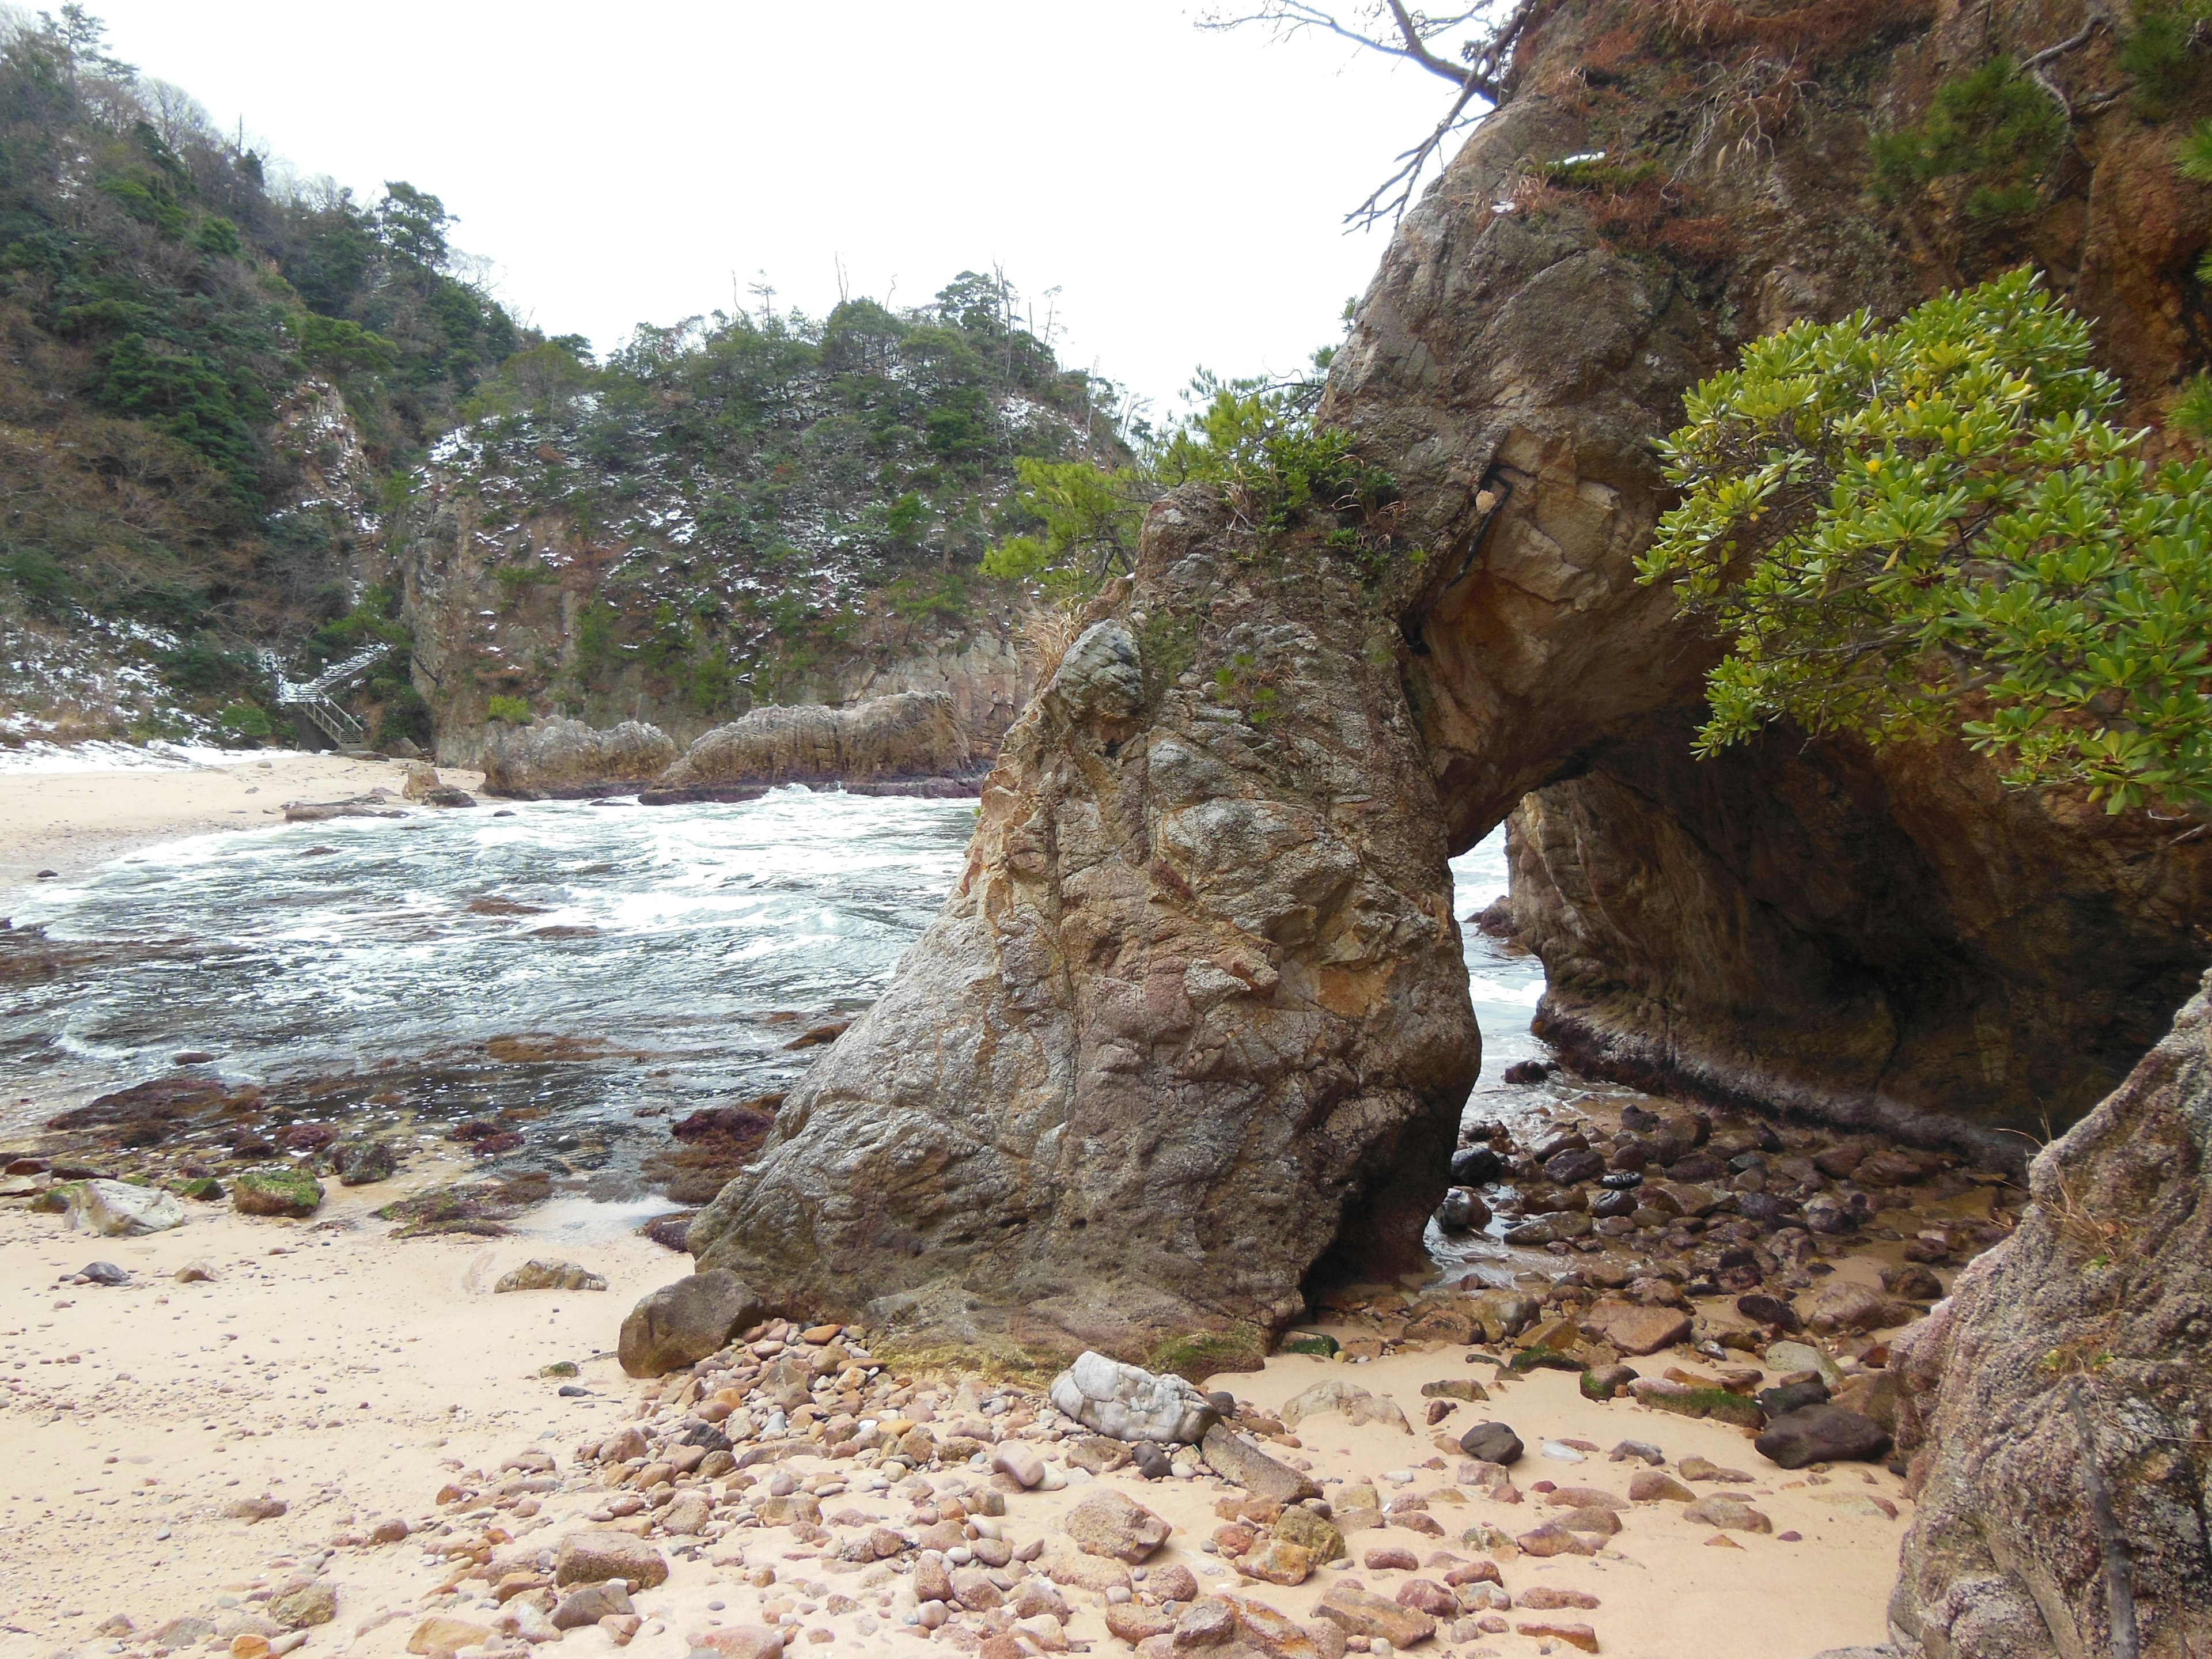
<point>1481,987</point>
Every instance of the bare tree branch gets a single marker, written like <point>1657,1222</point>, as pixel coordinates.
<point>1395,30</point>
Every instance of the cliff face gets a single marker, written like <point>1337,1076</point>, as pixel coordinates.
<point>1194,1016</point>
<point>2058,1408</point>
<point>1885,937</point>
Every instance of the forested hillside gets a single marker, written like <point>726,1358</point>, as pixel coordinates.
<point>766,507</point>
<point>238,413</point>
<point>208,386</point>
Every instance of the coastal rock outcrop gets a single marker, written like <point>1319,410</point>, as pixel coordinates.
<point>2059,1404</point>
<point>559,756</point>
<point>1194,1018</point>
<point>910,734</point>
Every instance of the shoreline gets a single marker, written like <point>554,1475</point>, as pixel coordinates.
<point>71,821</point>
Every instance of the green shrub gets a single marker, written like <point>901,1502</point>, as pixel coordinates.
<point>1932,527</point>
<point>2158,56</point>
<point>1992,125</point>
<point>514,711</point>
<point>245,720</point>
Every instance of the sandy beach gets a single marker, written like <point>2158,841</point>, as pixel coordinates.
<point>351,1377</point>
<point>67,821</point>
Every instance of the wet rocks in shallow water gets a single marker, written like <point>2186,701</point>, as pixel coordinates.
<point>1130,1403</point>
<point>1462,1211</point>
<point>1474,1166</point>
<point>685,1322</point>
<point>1822,1434</point>
<point>117,1209</point>
<point>363,1163</point>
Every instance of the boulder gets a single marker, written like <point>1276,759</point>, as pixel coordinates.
<point>1359,1612</point>
<point>1335,1393</point>
<point>561,756</point>
<point>362,1162</point>
<point>1634,1328</point>
<point>1107,1523</point>
<point>1202,916</point>
<point>280,1191</point>
<point>685,1322</point>
<point>1236,1458</point>
<point>1130,1403</point>
<point>1492,1442</point>
<point>912,734</point>
<point>593,1557</point>
<point>119,1209</point>
<point>1822,1434</point>
<point>551,1274</point>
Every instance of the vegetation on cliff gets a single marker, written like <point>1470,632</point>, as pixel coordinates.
<point>729,507</point>
<point>208,377</point>
<point>1931,527</point>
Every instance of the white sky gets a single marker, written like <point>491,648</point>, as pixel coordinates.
<point>618,164</point>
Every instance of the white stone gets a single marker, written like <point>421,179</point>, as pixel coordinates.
<point>1130,1403</point>
<point>116,1209</point>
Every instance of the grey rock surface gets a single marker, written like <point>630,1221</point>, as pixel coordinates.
<point>561,756</point>
<point>908,734</point>
<point>1111,1098</point>
<point>1130,1403</point>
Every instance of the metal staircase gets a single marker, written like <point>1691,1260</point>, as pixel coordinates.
<point>312,700</point>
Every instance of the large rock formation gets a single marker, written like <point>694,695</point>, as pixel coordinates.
<point>560,756</point>
<point>2061,1399</point>
<point>912,734</point>
<point>1892,939</point>
<point>1885,936</point>
<point>1195,1014</point>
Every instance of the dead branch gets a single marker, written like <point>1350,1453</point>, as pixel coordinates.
<point>1390,27</point>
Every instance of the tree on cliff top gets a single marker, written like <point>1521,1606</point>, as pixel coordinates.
<point>1932,527</point>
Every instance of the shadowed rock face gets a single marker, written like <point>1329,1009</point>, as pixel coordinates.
<point>1196,1013</point>
<point>2071,1358</point>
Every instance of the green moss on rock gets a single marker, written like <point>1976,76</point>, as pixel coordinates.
<point>276,1192</point>
<point>1202,1353</point>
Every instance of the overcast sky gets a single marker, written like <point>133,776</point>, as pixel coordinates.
<point>626,163</point>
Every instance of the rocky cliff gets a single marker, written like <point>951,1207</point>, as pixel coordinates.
<point>2059,1410</point>
<point>1869,937</point>
<point>1194,1018</point>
